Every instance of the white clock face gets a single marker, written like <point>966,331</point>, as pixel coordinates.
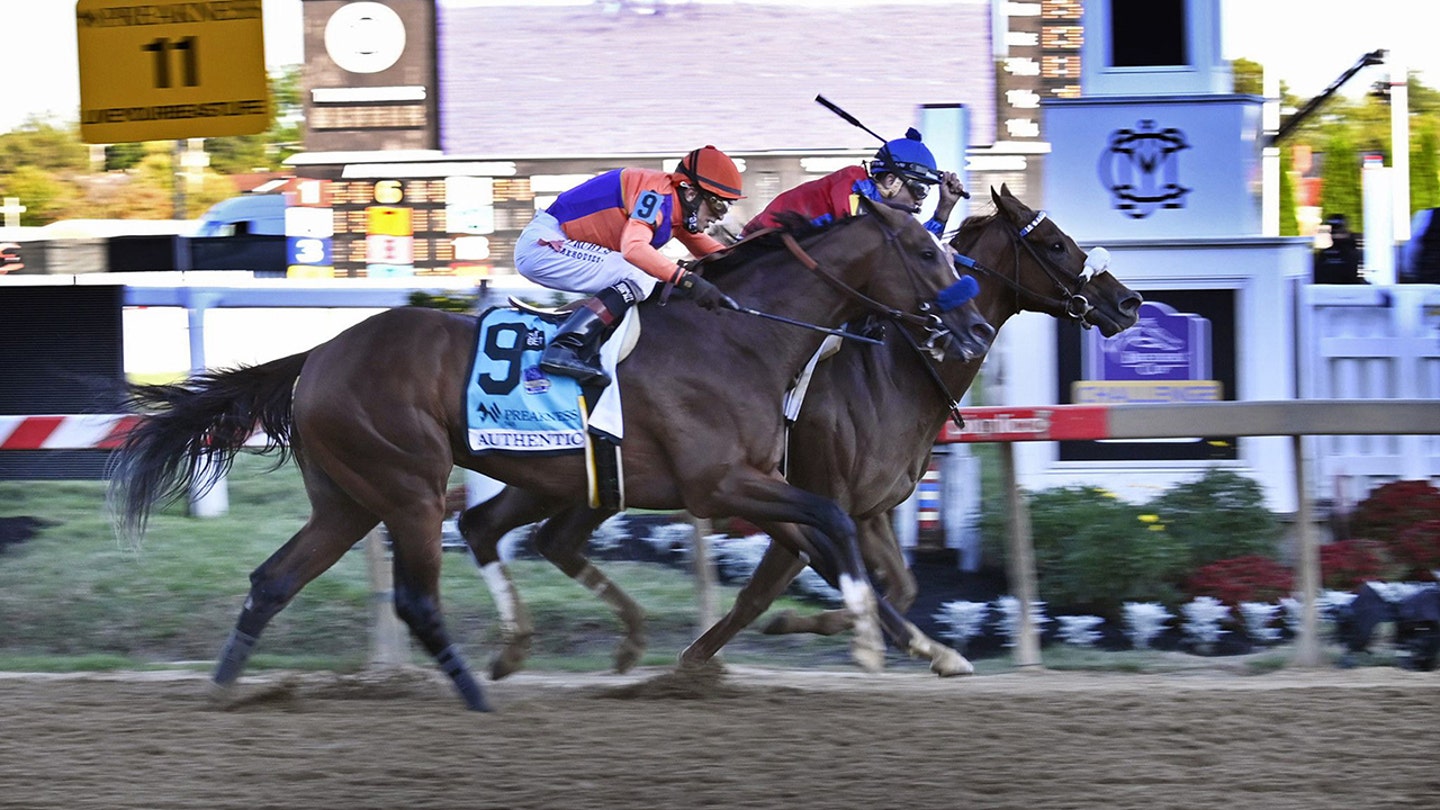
<point>365,37</point>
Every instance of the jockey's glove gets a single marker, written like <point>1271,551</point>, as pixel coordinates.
<point>703,293</point>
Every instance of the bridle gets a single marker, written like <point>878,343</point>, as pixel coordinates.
<point>927,321</point>
<point>1071,301</point>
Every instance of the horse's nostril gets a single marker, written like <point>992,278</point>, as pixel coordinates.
<point>1131,304</point>
<point>983,332</point>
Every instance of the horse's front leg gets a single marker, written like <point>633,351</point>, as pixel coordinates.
<point>831,544</point>
<point>883,557</point>
<point>881,549</point>
<point>774,573</point>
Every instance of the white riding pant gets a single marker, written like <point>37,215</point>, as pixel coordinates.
<point>575,266</point>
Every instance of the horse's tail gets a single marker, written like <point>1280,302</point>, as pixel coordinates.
<point>189,433</point>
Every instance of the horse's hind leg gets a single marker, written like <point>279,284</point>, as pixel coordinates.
<point>560,540</point>
<point>415,544</point>
<point>482,526</point>
<point>336,524</point>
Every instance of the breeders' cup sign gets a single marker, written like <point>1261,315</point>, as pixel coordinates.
<point>1142,169</point>
<point>1165,357</point>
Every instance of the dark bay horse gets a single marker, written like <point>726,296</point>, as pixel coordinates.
<point>863,444</point>
<point>374,419</point>
<point>873,463</point>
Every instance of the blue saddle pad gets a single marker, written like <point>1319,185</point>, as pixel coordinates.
<point>511,405</point>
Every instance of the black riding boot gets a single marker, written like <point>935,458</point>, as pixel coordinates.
<point>575,351</point>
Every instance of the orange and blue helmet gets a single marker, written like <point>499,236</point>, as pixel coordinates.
<point>713,172</point>
<point>906,158</point>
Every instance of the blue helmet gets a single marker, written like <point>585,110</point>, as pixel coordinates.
<point>908,158</point>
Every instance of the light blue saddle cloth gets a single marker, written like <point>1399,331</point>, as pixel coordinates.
<point>514,406</point>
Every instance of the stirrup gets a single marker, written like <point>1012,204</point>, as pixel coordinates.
<point>559,359</point>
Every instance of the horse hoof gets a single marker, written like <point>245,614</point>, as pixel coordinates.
<point>868,658</point>
<point>691,658</point>
<point>628,655</point>
<point>505,664</point>
<point>947,664</point>
<point>220,695</point>
<point>780,625</point>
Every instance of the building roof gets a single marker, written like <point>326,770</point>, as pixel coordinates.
<point>584,80</point>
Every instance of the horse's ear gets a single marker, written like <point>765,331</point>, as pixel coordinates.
<point>889,214</point>
<point>1006,203</point>
<point>995,195</point>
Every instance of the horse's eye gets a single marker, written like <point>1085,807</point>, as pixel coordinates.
<point>1058,247</point>
<point>928,255</point>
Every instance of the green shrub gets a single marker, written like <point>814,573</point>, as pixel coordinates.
<point>1094,552</point>
<point>1220,516</point>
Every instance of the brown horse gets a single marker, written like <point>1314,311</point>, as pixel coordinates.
<point>375,419</point>
<point>870,467</point>
<point>864,445</point>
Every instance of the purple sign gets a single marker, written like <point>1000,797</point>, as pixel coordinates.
<point>1163,345</point>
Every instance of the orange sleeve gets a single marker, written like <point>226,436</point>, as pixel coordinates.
<point>635,247</point>
<point>699,244</point>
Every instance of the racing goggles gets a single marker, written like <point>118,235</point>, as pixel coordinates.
<point>717,205</point>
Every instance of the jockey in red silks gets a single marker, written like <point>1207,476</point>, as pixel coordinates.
<point>901,173</point>
<point>602,237</point>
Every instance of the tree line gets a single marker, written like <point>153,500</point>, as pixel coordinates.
<point>56,176</point>
<point>1339,136</point>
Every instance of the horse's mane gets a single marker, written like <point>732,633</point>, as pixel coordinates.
<point>975,222</point>
<point>970,228</point>
<point>768,241</point>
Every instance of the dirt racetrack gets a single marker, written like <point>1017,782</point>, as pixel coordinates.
<point>751,738</point>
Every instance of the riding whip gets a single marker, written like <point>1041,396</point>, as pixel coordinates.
<point>782,319</point>
<point>832,107</point>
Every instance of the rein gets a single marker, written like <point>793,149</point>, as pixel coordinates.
<point>1075,305</point>
<point>866,301</point>
<point>930,322</point>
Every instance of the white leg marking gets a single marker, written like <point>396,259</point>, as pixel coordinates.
<point>499,583</point>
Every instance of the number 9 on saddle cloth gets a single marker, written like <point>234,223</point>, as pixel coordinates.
<point>513,406</point>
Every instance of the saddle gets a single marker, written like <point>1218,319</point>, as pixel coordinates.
<point>557,315</point>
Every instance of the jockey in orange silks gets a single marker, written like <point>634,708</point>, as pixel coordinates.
<point>603,237</point>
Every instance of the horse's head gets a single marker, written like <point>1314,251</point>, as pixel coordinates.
<point>910,272</point>
<point>1050,273</point>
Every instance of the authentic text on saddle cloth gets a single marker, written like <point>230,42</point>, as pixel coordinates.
<point>513,406</point>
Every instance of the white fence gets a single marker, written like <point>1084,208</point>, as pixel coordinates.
<point>1363,342</point>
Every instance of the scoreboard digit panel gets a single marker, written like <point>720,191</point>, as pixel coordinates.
<point>490,220</point>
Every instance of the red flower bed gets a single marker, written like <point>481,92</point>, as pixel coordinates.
<point>1242,579</point>
<point>1417,550</point>
<point>1346,564</point>
<point>1392,507</point>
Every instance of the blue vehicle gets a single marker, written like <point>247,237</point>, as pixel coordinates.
<point>246,215</point>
